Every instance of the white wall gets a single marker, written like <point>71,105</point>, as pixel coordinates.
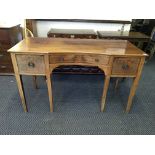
<point>11,22</point>
<point>44,26</point>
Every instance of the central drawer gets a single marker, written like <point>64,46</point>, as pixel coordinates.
<point>72,58</point>
<point>30,64</point>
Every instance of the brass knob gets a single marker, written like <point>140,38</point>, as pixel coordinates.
<point>1,55</point>
<point>125,66</point>
<point>3,67</point>
<point>31,64</point>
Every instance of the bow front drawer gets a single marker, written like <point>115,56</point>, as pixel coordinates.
<point>30,64</point>
<point>72,58</point>
<point>125,66</point>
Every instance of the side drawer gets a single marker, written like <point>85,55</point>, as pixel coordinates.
<point>125,66</point>
<point>30,64</point>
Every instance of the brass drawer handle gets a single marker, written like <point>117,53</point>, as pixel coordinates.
<point>3,67</point>
<point>31,64</point>
<point>1,55</point>
<point>96,60</point>
<point>125,66</point>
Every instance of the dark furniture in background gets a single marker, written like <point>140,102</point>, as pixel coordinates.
<point>31,25</point>
<point>72,33</point>
<point>134,37</point>
<point>9,36</point>
<point>143,25</point>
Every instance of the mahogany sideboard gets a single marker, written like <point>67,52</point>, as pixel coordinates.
<point>40,56</point>
<point>9,36</point>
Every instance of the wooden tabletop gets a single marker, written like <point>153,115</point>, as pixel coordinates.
<point>124,35</point>
<point>72,31</point>
<point>83,46</point>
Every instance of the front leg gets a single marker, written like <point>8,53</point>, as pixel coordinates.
<point>49,86</point>
<point>105,89</point>
<point>134,85</point>
<point>19,82</point>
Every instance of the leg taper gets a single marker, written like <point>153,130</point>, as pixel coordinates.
<point>132,93</point>
<point>134,85</point>
<point>35,82</point>
<point>21,91</point>
<point>105,89</point>
<point>49,86</point>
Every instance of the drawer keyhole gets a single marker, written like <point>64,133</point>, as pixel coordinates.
<point>31,64</point>
<point>125,66</point>
<point>96,60</point>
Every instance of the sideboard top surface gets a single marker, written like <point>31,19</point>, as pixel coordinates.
<point>79,46</point>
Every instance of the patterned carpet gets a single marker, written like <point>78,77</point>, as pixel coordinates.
<point>77,106</point>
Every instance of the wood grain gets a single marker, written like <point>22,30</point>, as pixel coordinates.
<point>77,46</point>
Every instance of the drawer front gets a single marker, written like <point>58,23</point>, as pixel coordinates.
<point>5,58</point>
<point>4,46</point>
<point>31,64</point>
<point>125,66</point>
<point>72,58</point>
<point>6,68</point>
<point>4,33</point>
